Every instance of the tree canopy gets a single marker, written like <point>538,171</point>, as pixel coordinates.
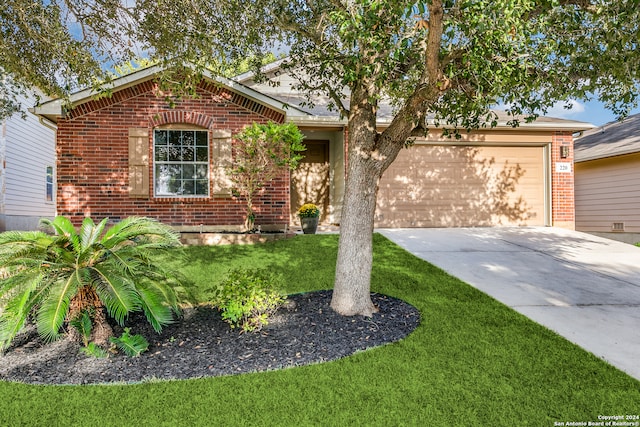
<point>525,54</point>
<point>452,59</point>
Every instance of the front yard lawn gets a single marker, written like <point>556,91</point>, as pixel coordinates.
<point>472,361</point>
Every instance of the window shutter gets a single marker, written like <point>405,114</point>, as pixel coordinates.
<point>138,163</point>
<point>221,142</point>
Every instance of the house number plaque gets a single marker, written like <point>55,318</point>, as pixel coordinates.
<point>563,167</point>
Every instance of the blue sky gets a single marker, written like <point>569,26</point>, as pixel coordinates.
<point>591,112</point>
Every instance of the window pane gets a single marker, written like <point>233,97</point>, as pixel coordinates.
<point>202,154</point>
<point>174,154</point>
<point>162,154</point>
<point>187,187</point>
<point>188,171</point>
<point>166,179</point>
<point>201,171</point>
<point>49,184</point>
<point>187,154</point>
<point>201,139</point>
<point>161,137</point>
<point>174,138</point>
<point>188,138</point>
<point>202,187</point>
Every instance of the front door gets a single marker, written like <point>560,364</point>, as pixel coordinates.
<point>310,181</point>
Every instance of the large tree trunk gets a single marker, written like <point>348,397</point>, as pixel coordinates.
<point>351,293</point>
<point>370,154</point>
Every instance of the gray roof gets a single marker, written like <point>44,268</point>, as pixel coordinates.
<point>280,95</point>
<point>280,85</point>
<point>612,139</point>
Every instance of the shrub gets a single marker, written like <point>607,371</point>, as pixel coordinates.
<point>247,298</point>
<point>83,276</point>
<point>261,153</point>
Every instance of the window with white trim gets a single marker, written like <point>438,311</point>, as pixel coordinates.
<point>181,163</point>
<point>49,184</point>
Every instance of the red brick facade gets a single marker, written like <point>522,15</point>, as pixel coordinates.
<point>562,182</point>
<point>93,163</point>
<point>93,158</point>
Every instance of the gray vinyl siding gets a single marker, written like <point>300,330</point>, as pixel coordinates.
<point>29,148</point>
<point>607,191</point>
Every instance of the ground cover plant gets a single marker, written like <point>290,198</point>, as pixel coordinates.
<point>472,361</point>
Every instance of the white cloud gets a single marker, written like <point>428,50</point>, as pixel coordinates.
<point>559,109</point>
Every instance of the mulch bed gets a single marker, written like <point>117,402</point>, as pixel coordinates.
<point>201,344</point>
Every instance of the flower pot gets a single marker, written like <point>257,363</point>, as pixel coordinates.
<point>309,225</point>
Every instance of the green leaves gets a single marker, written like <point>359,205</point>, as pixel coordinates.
<point>86,270</point>
<point>131,345</point>
<point>247,298</point>
<point>83,325</point>
<point>261,153</point>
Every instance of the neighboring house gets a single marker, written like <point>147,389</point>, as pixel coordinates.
<point>133,155</point>
<point>608,180</point>
<point>27,171</point>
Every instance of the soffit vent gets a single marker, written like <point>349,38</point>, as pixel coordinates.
<point>617,226</point>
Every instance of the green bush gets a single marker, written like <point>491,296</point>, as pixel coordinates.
<point>85,275</point>
<point>247,298</point>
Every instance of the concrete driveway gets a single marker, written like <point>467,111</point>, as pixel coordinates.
<point>583,287</point>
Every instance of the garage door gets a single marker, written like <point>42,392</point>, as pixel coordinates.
<point>463,186</point>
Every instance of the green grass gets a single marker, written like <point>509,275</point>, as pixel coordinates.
<point>471,362</point>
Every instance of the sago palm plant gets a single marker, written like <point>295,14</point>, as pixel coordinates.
<point>60,276</point>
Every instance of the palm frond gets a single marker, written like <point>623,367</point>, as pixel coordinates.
<point>63,227</point>
<point>13,317</point>
<point>17,282</point>
<point>158,314</point>
<point>128,261</point>
<point>28,237</point>
<point>15,244</point>
<point>52,313</point>
<point>141,230</point>
<point>116,291</point>
<point>90,233</point>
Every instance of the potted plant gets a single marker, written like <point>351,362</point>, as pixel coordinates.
<point>309,214</point>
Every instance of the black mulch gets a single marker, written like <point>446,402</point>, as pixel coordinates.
<point>200,344</point>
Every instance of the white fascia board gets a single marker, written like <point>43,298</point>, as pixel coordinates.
<point>320,121</point>
<point>549,125</point>
<point>570,126</point>
<point>54,108</point>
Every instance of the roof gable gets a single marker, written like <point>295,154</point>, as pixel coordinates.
<point>141,82</point>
